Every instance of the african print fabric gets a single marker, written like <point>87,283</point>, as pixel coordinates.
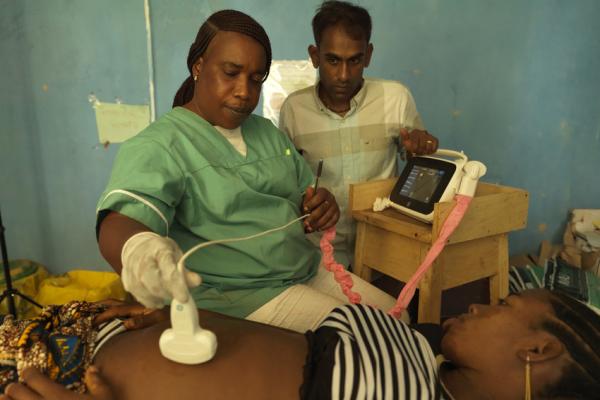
<point>59,342</point>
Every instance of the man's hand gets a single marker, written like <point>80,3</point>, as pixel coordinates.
<point>37,386</point>
<point>136,315</point>
<point>323,209</point>
<point>418,142</point>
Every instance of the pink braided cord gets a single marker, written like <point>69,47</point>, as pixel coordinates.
<point>339,272</point>
<point>408,291</point>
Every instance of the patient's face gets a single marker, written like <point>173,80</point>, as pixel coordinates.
<point>488,336</point>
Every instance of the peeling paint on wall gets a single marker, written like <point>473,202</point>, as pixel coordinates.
<point>566,131</point>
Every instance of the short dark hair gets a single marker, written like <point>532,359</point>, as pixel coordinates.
<point>355,20</point>
<point>578,328</point>
<point>224,20</point>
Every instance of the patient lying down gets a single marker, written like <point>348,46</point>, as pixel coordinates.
<point>541,342</point>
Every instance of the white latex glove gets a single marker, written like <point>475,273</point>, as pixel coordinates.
<point>150,270</point>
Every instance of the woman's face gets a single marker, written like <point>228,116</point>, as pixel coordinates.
<point>230,75</point>
<point>488,336</point>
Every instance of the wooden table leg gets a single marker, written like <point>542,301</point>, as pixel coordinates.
<point>358,267</point>
<point>430,294</point>
<point>499,281</point>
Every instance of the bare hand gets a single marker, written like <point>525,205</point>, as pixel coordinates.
<point>323,209</point>
<point>37,386</point>
<point>137,315</point>
<point>418,142</point>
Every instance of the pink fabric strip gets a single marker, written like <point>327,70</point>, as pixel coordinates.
<point>339,272</point>
<point>408,291</point>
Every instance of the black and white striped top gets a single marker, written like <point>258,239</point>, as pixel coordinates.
<point>106,331</point>
<point>379,357</point>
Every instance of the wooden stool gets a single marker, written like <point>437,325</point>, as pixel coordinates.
<point>395,244</point>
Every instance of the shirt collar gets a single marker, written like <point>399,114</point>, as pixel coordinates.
<point>355,102</point>
<point>442,364</point>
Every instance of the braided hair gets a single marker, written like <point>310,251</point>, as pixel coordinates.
<point>225,20</point>
<point>578,328</point>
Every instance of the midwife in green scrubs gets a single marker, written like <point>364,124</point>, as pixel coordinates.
<point>209,169</point>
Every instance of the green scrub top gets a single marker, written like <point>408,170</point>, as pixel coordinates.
<point>183,179</point>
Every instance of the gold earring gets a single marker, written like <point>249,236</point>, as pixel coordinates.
<point>528,378</point>
<point>195,78</point>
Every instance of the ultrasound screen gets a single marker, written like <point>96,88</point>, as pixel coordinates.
<point>421,183</point>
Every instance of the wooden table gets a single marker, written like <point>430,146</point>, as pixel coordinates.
<point>395,244</point>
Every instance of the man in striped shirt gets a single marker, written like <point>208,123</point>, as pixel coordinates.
<point>354,124</point>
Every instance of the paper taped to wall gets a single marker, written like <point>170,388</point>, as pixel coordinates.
<point>285,77</point>
<point>118,122</point>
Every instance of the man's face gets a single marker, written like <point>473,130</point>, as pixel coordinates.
<point>230,75</point>
<point>341,60</point>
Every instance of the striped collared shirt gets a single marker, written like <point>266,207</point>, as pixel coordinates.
<point>357,147</point>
